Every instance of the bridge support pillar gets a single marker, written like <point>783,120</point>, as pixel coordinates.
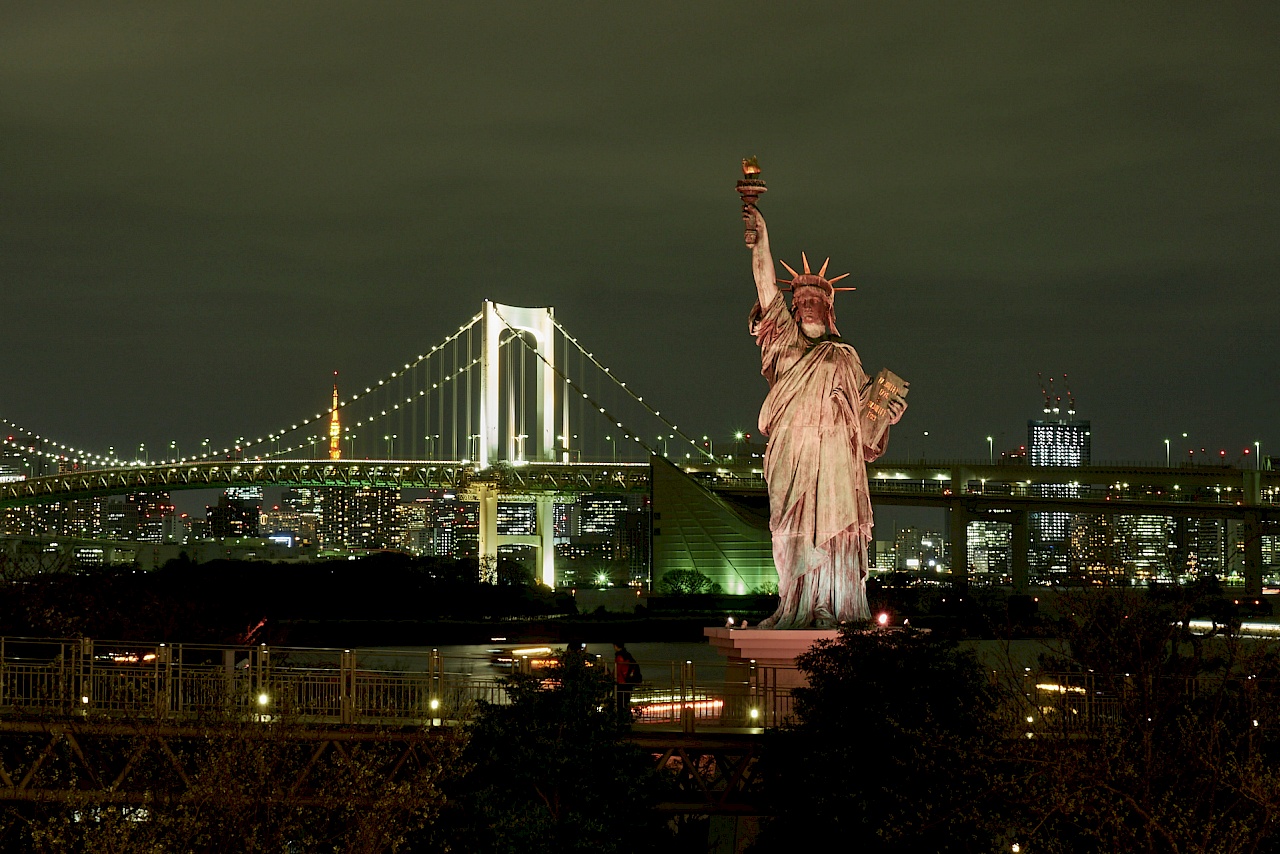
<point>1021,553</point>
<point>546,521</point>
<point>959,543</point>
<point>487,495</point>
<point>1251,537</point>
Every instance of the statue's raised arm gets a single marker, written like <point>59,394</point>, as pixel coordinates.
<point>761,258</point>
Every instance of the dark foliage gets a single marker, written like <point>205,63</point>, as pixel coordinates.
<point>552,771</point>
<point>1184,742</point>
<point>891,748</point>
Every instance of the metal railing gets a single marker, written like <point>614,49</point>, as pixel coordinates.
<point>1065,705</point>
<point>184,683</point>
<point>188,682</point>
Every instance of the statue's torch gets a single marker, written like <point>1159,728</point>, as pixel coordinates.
<point>751,188</point>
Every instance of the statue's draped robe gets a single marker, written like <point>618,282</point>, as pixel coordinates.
<point>815,466</point>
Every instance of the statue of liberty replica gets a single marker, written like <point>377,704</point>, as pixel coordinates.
<point>825,420</point>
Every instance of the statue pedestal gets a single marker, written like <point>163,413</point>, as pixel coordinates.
<point>769,648</point>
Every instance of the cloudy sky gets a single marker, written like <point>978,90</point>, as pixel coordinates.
<point>207,208</point>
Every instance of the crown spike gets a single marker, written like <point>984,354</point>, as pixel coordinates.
<point>805,259</point>
<point>788,266</point>
<point>838,278</point>
<point>823,271</point>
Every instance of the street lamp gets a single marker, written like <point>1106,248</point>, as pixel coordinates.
<point>1257,455</point>
<point>173,446</point>
<point>711,447</point>
<point>520,446</point>
<point>663,440</point>
<point>142,452</point>
<point>991,451</point>
<point>391,446</point>
<point>1166,453</point>
<point>612,447</point>
<point>205,445</point>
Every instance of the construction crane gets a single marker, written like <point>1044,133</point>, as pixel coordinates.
<point>1048,401</point>
<point>1071,398</point>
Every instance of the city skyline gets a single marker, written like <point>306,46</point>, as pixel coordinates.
<point>210,210</point>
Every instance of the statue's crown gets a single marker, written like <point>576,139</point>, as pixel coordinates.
<point>810,279</point>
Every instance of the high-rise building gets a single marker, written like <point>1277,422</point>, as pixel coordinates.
<point>373,521</point>
<point>237,514</point>
<point>1057,442</point>
<point>1144,546</point>
<point>919,551</point>
<point>1200,548</point>
<point>990,546</point>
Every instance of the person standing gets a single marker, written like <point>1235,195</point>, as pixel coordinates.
<point>626,675</point>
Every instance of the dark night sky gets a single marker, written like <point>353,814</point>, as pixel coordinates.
<point>207,208</point>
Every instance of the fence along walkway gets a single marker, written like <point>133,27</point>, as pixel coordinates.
<point>177,683</point>
<point>186,683</point>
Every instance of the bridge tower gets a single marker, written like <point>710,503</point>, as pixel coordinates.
<point>538,323</point>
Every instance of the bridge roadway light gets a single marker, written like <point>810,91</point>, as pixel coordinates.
<point>612,447</point>
<point>991,451</point>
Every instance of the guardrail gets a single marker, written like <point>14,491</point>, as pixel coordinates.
<point>176,683</point>
<point>1064,705</point>
<point>186,683</point>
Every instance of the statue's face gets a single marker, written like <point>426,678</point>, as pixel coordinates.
<point>810,309</point>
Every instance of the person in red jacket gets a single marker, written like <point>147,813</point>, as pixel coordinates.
<point>626,674</point>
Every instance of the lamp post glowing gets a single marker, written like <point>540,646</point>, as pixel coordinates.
<point>991,451</point>
<point>612,447</point>
<point>711,448</point>
<point>1257,455</point>
<point>1166,453</point>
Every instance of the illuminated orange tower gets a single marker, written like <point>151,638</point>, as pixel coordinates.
<point>335,426</point>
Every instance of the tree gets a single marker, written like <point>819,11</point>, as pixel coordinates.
<point>892,747</point>
<point>552,772</point>
<point>1181,740</point>
<point>686,582</point>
